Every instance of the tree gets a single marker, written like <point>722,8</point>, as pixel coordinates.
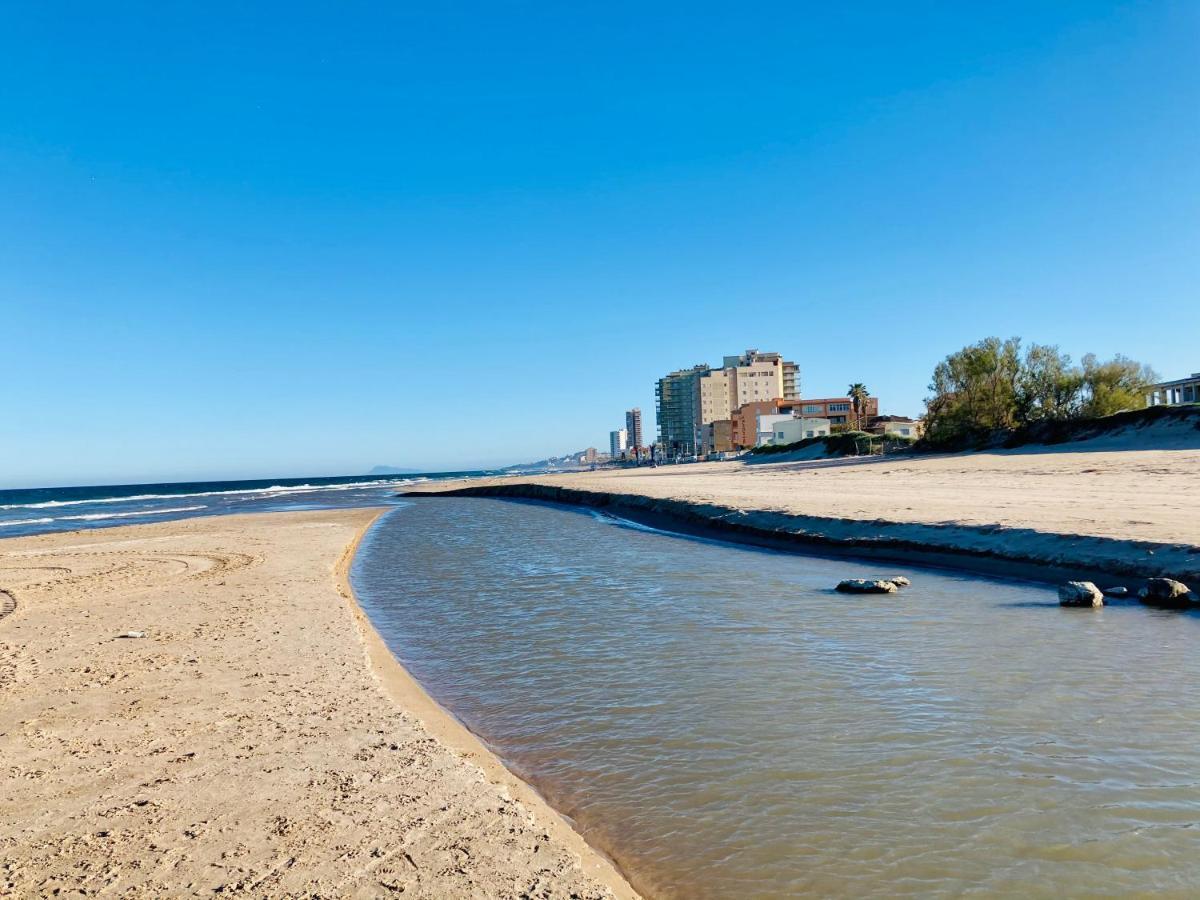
<point>1113,386</point>
<point>858,395</point>
<point>990,387</point>
<point>975,390</point>
<point>1048,386</point>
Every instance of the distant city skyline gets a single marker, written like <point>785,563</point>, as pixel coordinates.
<point>276,240</point>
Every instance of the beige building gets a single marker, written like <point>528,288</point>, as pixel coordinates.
<point>752,377</point>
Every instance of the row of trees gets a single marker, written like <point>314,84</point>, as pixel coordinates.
<point>992,386</point>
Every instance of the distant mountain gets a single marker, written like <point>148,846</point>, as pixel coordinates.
<point>392,470</point>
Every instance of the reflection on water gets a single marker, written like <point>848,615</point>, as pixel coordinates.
<point>724,725</point>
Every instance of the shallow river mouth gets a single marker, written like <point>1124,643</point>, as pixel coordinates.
<point>723,724</point>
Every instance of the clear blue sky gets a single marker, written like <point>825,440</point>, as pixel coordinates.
<point>260,239</point>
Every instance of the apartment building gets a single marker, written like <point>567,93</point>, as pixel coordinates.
<point>677,403</point>
<point>752,377</point>
<point>618,443</point>
<point>633,428</point>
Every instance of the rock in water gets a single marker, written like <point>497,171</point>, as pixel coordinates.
<point>900,581</point>
<point>1080,593</point>
<point>1116,592</point>
<point>1166,592</point>
<point>866,586</point>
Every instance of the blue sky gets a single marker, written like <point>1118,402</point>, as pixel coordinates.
<point>308,239</point>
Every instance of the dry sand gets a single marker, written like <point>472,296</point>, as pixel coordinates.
<point>1099,505</point>
<point>258,740</point>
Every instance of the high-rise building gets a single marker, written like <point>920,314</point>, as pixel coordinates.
<point>677,402</point>
<point>753,377</point>
<point>633,428</point>
<point>618,443</point>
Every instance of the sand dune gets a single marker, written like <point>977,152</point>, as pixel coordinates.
<point>258,740</point>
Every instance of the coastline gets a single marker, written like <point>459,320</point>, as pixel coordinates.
<point>795,506</point>
<point>240,744</point>
<point>407,692</point>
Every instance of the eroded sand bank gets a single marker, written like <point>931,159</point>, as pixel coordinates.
<point>258,740</point>
<point>1102,507</point>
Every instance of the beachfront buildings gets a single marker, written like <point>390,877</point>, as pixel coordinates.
<point>838,410</point>
<point>677,402</point>
<point>618,443</point>
<point>691,400</point>
<point>752,377</point>
<point>790,430</point>
<point>633,429</point>
<point>1169,393</point>
<point>900,426</point>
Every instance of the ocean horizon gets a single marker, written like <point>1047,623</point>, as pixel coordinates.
<point>52,509</point>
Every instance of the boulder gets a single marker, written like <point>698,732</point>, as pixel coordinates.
<point>1166,592</point>
<point>1080,593</point>
<point>1116,592</point>
<point>899,581</point>
<point>866,586</point>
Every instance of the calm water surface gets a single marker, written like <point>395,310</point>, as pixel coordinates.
<point>724,725</point>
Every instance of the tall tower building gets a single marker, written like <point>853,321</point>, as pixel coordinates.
<point>618,443</point>
<point>633,428</point>
<point>677,401</point>
<point>753,377</point>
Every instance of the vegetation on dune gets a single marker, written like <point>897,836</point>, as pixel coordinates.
<point>991,388</point>
<point>846,443</point>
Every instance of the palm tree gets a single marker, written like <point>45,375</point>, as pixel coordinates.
<point>858,395</point>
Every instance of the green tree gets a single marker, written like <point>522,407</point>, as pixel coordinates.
<point>975,391</point>
<point>1116,385</point>
<point>1048,387</point>
<point>858,395</point>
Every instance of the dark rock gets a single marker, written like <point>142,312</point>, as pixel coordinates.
<point>866,586</point>
<point>1166,592</point>
<point>1080,593</point>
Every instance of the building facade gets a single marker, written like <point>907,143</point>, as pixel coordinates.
<point>789,431</point>
<point>745,422</point>
<point>677,403</point>
<point>752,377</point>
<point>838,410</point>
<point>633,429</point>
<point>1169,393</point>
<point>717,437</point>
<point>901,426</point>
<point>618,443</point>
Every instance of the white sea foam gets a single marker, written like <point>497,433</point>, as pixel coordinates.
<point>91,517</point>
<point>275,490</point>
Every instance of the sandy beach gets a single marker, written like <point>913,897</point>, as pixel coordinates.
<point>257,739</point>
<point>1112,506</point>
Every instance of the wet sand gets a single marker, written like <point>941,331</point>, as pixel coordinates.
<point>1097,508</point>
<point>258,739</point>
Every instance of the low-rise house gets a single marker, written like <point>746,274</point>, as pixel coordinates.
<point>790,430</point>
<point>838,410</point>
<point>901,426</point>
<point>1169,393</point>
<point>765,426</point>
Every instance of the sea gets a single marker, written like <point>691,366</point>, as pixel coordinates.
<point>41,510</point>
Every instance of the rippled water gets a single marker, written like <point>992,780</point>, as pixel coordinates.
<point>724,725</point>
